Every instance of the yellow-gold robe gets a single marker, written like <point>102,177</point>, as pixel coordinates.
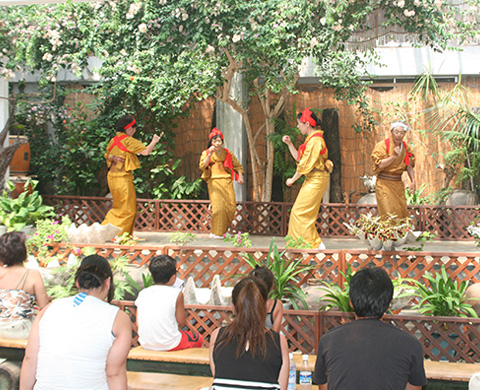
<point>390,193</point>
<point>220,189</point>
<point>303,216</point>
<point>120,183</point>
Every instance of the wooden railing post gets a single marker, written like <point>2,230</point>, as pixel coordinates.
<point>342,266</point>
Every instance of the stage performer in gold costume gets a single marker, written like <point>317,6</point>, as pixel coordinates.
<point>312,161</point>
<point>391,158</point>
<point>219,168</point>
<point>121,156</point>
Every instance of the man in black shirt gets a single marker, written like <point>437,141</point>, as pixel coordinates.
<point>369,353</point>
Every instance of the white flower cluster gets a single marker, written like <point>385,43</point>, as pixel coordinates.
<point>47,57</point>
<point>338,26</point>
<point>474,230</point>
<point>143,28</point>
<point>238,37</point>
<point>134,68</point>
<point>54,38</point>
<point>7,74</point>
<point>162,2</point>
<point>408,13</point>
<point>133,10</point>
<point>181,13</point>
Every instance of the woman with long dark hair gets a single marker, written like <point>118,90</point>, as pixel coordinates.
<point>245,354</point>
<point>122,160</point>
<point>219,168</point>
<point>312,161</point>
<point>80,342</point>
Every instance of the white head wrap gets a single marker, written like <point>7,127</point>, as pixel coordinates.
<point>399,124</point>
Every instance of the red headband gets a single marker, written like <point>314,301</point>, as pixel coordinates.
<point>214,133</point>
<point>307,117</point>
<point>132,123</point>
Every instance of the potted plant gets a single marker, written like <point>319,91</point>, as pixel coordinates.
<point>48,231</point>
<point>442,296</point>
<point>19,213</point>
<point>385,233</point>
<point>285,274</point>
<point>338,297</point>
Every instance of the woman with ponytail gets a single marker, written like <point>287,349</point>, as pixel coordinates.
<point>122,160</point>
<point>245,354</point>
<point>80,342</point>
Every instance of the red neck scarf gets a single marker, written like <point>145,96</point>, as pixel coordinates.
<point>302,147</point>
<point>407,154</point>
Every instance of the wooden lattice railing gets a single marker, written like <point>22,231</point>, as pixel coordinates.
<point>203,263</point>
<point>300,327</point>
<point>260,218</point>
<point>443,338</point>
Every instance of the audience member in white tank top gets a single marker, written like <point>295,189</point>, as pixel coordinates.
<point>80,342</point>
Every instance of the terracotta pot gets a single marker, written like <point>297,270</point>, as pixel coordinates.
<point>20,163</point>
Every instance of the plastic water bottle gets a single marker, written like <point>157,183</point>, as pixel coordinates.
<point>305,378</point>
<point>292,373</point>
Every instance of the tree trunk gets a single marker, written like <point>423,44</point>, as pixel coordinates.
<point>6,153</point>
<point>332,138</point>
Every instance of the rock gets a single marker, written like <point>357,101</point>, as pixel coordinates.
<point>473,297</point>
<point>462,197</point>
<point>369,182</point>
<point>215,295</point>
<point>94,234</point>
<point>136,272</point>
<point>403,302</point>
<point>315,294</point>
<point>370,198</point>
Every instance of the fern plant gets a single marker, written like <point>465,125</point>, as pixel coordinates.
<point>338,296</point>
<point>443,296</point>
<point>285,273</point>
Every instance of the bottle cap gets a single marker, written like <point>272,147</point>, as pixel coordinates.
<point>290,355</point>
<point>305,357</point>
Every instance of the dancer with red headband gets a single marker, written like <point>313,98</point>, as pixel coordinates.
<point>312,161</point>
<point>391,158</point>
<point>122,160</point>
<point>219,168</point>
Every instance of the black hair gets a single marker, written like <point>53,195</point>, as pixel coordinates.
<point>264,274</point>
<point>124,121</point>
<point>94,270</point>
<point>315,118</point>
<point>12,248</point>
<point>371,292</point>
<point>162,268</point>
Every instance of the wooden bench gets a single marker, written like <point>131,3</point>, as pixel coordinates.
<point>195,362</point>
<point>155,381</point>
<point>13,350</point>
<point>443,371</point>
